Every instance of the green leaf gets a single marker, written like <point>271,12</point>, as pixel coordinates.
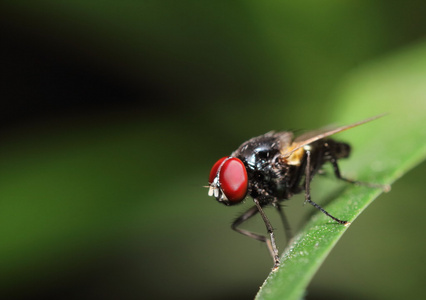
<point>386,149</point>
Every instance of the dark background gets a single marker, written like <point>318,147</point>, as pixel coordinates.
<point>113,112</point>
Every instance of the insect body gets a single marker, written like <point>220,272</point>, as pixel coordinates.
<point>273,167</point>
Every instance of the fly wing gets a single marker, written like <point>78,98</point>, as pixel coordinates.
<point>285,138</point>
<point>312,136</point>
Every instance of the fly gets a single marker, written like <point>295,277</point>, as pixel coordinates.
<point>272,168</point>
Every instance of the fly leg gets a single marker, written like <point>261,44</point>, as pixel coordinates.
<point>308,189</point>
<point>272,247</point>
<point>284,220</point>
<point>333,161</point>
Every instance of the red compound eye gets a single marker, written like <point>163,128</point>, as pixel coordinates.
<point>233,179</point>
<point>215,168</point>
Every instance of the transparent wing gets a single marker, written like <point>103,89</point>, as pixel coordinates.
<point>315,135</point>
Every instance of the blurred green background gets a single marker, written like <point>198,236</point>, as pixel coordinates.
<point>113,112</point>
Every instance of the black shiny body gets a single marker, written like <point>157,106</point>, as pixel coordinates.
<point>273,179</point>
